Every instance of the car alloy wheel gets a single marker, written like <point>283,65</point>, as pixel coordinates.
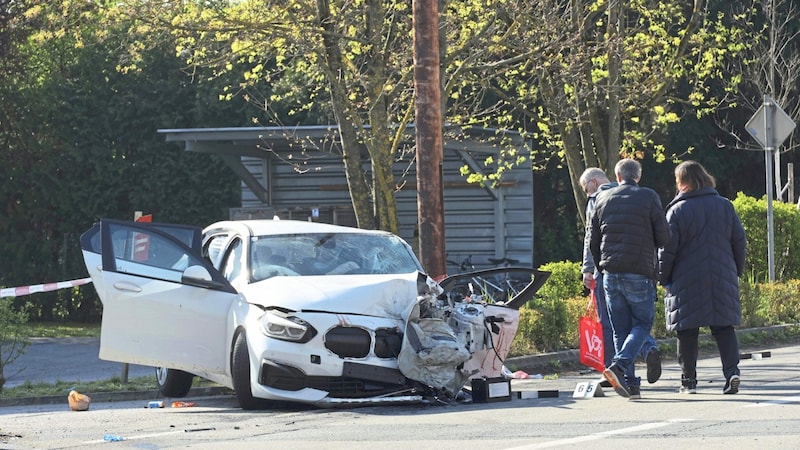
<point>173,382</point>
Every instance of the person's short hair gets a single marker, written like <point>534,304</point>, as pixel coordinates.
<point>693,175</point>
<point>628,169</point>
<point>591,173</point>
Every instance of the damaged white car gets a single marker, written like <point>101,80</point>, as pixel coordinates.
<point>297,311</point>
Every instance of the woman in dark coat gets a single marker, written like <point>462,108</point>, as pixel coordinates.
<point>700,269</point>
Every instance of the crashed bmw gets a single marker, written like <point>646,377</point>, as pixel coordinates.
<point>296,311</point>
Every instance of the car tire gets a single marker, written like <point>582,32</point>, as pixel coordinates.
<point>240,374</point>
<point>173,382</point>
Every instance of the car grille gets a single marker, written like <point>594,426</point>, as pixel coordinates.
<point>348,342</point>
<point>288,378</point>
<point>354,342</point>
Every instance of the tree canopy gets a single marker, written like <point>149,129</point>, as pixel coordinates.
<point>84,85</point>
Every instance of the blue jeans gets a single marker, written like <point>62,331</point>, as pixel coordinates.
<point>631,300</point>
<point>608,334</point>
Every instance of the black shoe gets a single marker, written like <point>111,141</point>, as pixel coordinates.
<point>616,377</point>
<point>653,365</point>
<point>636,393</point>
<point>731,385</point>
<point>688,386</point>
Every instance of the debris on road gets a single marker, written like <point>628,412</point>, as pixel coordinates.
<point>183,404</point>
<point>78,401</point>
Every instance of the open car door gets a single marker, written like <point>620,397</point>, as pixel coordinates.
<point>164,304</point>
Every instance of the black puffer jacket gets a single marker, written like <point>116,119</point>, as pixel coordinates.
<point>703,262</point>
<point>628,226</point>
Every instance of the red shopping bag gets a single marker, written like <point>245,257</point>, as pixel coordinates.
<point>591,337</point>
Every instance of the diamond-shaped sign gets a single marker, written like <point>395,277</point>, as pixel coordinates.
<point>782,125</point>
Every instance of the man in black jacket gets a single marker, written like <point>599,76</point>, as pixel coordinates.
<point>627,228</point>
<point>593,181</point>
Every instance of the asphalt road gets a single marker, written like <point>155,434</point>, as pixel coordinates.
<point>764,414</point>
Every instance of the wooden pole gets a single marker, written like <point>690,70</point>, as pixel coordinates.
<point>429,142</point>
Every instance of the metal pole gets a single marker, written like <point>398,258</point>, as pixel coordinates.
<point>768,150</point>
<point>777,166</point>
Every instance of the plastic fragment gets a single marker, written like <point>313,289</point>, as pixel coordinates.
<point>112,438</point>
<point>183,404</point>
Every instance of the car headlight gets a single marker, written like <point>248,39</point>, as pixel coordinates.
<point>287,328</point>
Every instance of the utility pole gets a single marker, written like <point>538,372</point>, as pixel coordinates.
<point>428,119</point>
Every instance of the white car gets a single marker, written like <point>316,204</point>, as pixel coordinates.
<point>297,311</point>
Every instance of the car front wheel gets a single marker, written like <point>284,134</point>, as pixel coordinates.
<point>240,372</point>
<point>173,382</point>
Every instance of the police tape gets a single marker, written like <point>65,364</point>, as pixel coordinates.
<point>47,287</point>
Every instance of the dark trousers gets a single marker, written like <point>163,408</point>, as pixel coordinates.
<point>727,345</point>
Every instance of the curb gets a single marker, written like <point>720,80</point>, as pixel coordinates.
<point>544,360</point>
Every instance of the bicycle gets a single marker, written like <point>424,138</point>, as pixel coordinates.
<point>512,285</point>
<point>464,266</point>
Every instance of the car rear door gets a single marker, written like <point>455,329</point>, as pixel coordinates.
<point>155,311</point>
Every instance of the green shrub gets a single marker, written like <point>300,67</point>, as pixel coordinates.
<point>576,308</point>
<point>13,335</point>
<point>786,226</point>
<point>544,320</point>
<point>659,330</point>
<point>779,302</point>
<point>565,280</point>
<point>752,300</point>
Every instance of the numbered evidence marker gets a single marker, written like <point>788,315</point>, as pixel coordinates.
<point>588,389</point>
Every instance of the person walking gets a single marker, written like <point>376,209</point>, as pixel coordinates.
<point>700,269</point>
<point>627,228</point>
<point>593,180</point>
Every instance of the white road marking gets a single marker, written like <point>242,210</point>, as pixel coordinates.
<point>601,435</point>
<point>780,401</point>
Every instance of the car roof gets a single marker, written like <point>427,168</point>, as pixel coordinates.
<point>263,227</point>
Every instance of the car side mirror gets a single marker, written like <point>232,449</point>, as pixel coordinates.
<point>198,273</point>
<point>198,276</point>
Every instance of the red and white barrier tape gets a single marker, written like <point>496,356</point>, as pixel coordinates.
<point>47,287</point>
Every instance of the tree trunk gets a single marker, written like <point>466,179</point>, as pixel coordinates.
<point>380,143</point>
<point>349,124</point>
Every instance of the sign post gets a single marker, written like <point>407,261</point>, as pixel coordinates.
<point>770,126</point>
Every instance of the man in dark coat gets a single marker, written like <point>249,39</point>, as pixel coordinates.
<point>700,268</point>
<point>593,181</point>
<point>627,228</point>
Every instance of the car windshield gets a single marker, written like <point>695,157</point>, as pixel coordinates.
<point>330,254</point>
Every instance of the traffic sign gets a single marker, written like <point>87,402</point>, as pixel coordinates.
<point>782,125</point>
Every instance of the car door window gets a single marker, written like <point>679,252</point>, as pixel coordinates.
<point>232,266</point>
<point>213,247</point>
<point>146,252</point>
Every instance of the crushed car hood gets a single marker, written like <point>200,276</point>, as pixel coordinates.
<point>372,295</point>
